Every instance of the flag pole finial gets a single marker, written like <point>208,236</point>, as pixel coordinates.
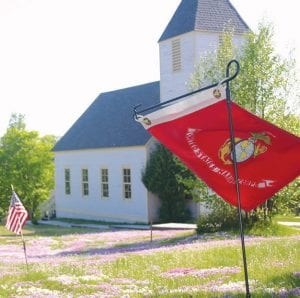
<point>12,187</point>
<point>237,70</point>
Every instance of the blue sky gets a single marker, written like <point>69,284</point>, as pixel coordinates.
<point>56,56</point>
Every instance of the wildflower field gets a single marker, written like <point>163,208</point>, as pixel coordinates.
<point>78,262</point>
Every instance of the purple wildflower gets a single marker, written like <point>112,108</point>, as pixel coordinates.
<point>178,272</point>
<point>296,274</point>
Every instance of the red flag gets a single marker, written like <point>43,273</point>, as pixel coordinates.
<point>196,129</point>
<point>17,215</point>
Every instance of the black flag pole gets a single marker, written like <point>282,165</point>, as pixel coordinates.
<point>236,174</point>
<point>229,77</point>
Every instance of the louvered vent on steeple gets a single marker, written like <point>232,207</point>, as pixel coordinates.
<point>176,55</point>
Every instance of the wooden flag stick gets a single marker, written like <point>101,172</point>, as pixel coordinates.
<point>24,247</point>
<point>151,231</point>
<point>15,213</point>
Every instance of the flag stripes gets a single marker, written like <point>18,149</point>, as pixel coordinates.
<point>17,215</point>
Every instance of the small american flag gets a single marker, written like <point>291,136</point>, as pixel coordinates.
<point>17,215</point>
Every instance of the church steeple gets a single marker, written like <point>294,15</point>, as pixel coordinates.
<point>194,28</point>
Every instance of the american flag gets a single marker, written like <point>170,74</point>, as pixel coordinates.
<point>17,215</point>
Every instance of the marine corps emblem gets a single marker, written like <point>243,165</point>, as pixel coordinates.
<point>245,148</point>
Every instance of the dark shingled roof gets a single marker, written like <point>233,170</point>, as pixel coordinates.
<point>108,122</point>
<point>206,15</point>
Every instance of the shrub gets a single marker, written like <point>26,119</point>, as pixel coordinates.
<point>221,217</point>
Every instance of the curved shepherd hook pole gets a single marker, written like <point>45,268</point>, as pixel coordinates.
<point>237,70</point>
<point>229,78</point>
<point>235,167</point>
<point>226,80</point>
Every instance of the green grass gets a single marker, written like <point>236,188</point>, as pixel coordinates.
<point>289,218</point>
<point>272,264</point>
<point>47,230</point>
<point>271,229</point>
<point>97,222</point>
<point>36,231</point>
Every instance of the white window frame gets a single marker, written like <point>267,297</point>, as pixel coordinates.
<point>127,186</point>
<point>67,176</point>
<point>85,182</point>
<point>104,183</point>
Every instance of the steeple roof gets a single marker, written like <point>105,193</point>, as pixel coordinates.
<point>204,15</point>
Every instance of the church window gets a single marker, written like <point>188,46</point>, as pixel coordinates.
<point>104,183</point>
<point>85,182</point>
<point>127,183</point>
<point>67,182</point>
<point>176,55</point>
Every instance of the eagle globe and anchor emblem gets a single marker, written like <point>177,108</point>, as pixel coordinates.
<point>245,148</point>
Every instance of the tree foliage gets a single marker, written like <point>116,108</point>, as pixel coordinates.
<point>265,83</point>
<point>26,162</point>
<point>164,175</point>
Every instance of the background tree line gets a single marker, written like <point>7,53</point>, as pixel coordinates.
<point>26,162</point>
<point>267,86</point>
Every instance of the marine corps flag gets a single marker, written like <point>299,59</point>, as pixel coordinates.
<point>196,129</point>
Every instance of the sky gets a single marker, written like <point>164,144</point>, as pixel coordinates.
<point>57,56</point>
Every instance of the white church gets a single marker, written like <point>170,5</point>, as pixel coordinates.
<point>99,160</point>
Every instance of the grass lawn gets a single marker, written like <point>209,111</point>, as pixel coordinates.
<point>77,262</point>
<point>287,218</point>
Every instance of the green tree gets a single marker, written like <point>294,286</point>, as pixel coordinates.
<point>164,175</point>
<point>212,64</point>
<point>264,84</point>
<point>287,200</point>
<point>26,162</point>
<point>265,80</point>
